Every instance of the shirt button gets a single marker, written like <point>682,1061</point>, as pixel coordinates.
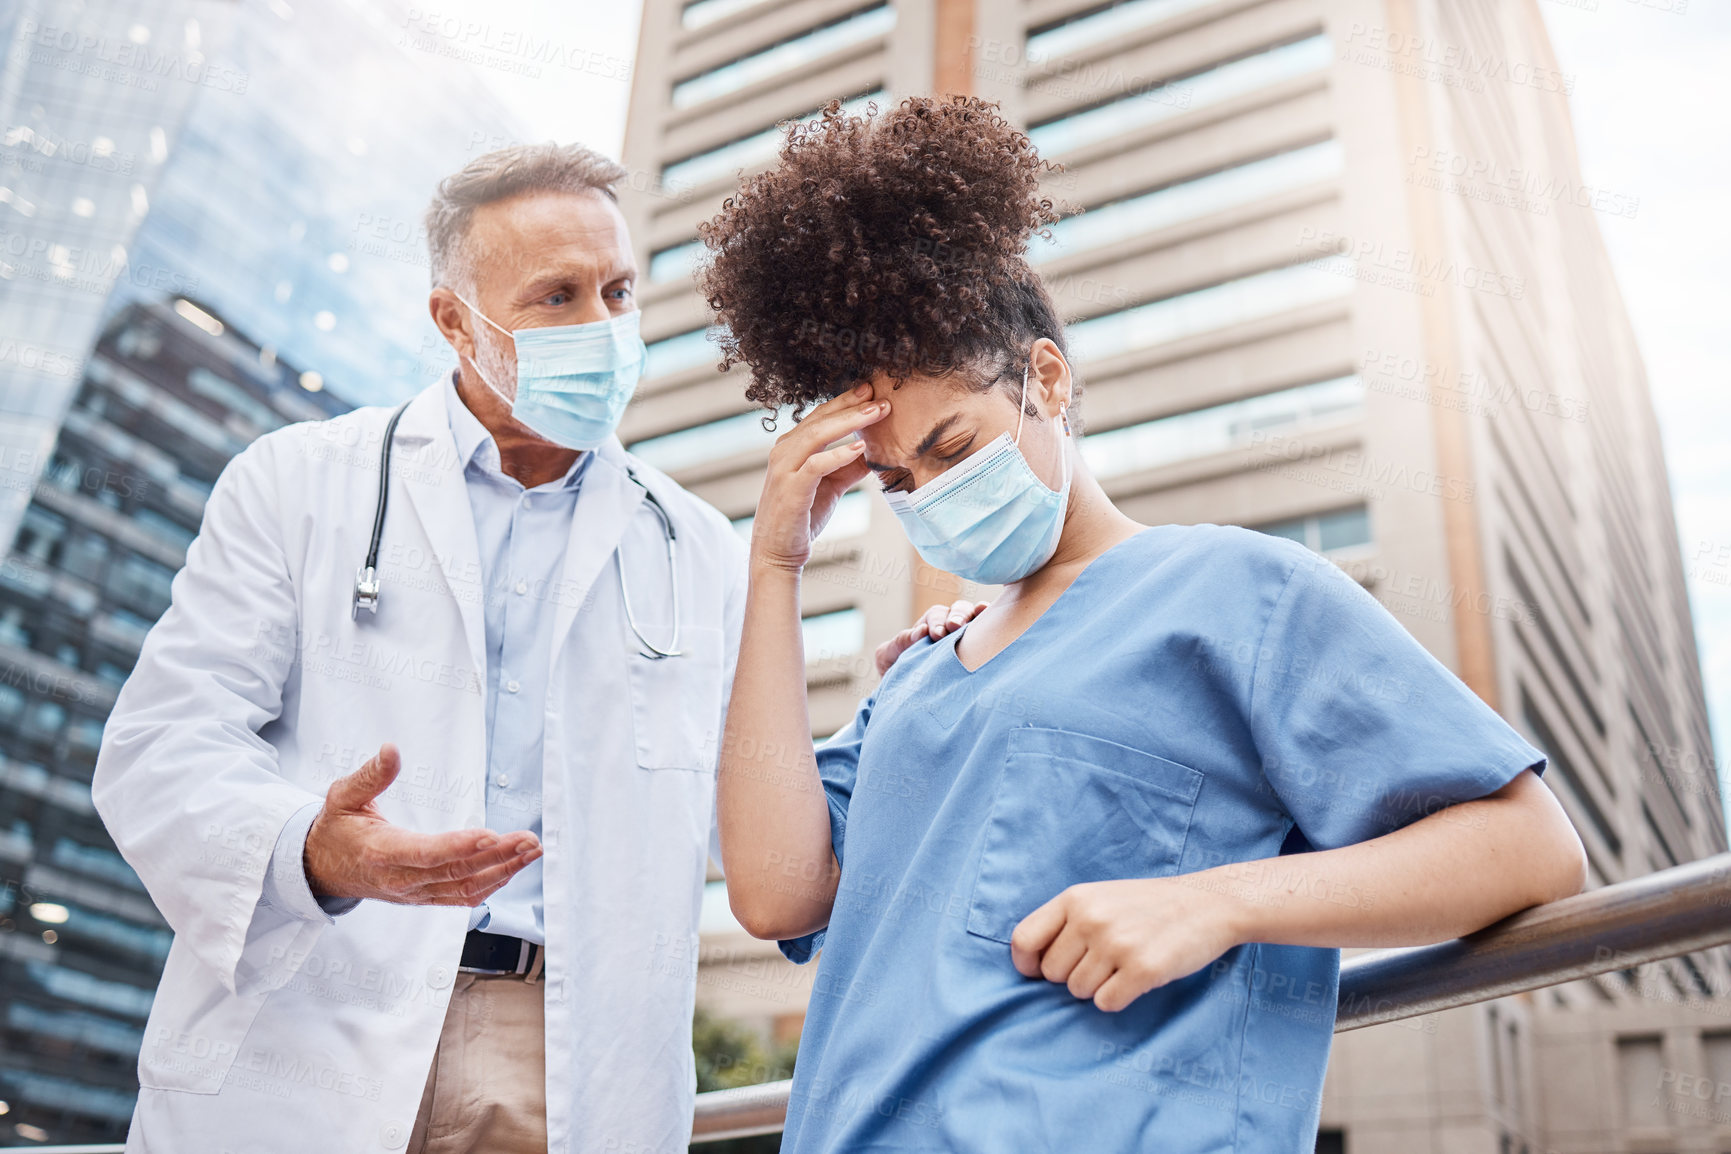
<point>501,781</point>
<point>522,588</point>
<point>512,686</point>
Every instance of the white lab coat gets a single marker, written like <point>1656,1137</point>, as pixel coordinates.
<point>256,690</point>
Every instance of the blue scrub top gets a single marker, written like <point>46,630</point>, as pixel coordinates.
<point>1199,695</point>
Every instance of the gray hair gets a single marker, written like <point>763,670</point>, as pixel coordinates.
<point>500,175</point>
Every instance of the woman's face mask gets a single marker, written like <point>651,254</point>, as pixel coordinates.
<point>573,381</point>
<point>989,518</point>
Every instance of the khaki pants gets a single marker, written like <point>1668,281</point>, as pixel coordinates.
<point>487,1090</point>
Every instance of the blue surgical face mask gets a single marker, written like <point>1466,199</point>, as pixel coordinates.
<point>573,381</point>
<point>988,518</point>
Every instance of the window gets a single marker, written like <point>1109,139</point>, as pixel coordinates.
<point>120,629</point>
<point>815,44</point>
<point>12,631</point>
<point>1149,106</point>
<point>85,555</point>
<point>1641,1066</point>
<point>88,990</point>
<point>1183,436</point>
<point>1189,200</point>
<point>746,152</point>
<point>85,734</point>
<point>41,535</point>
<point>676,262</point>
<point>87,1030</point>
<point>838,634</point>
<point>124,936</point>
<point>701,12</point>
<point>1717,1046</point>
<point>232,398</point>
<point>680,352</point>
<point>708,442</point>
<point>141,584</point>
<point>95,861</point>
<point>1103,24</point>
<point>65,472</point>
<point>164,528</point>
<point>1219,306</point>
<point>16,844</point>
<point>1559,768</point>
<point>42,721</point>
<point>1325,532</point>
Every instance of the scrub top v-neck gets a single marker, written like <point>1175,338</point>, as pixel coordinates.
<point>1199,695</point>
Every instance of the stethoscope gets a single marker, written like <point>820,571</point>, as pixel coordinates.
<point>367,576</point>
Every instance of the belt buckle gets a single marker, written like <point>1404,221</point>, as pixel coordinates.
<point>526,951</point>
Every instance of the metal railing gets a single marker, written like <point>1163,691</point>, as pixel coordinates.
<point>1676,911</point>
<point>1661,915</point>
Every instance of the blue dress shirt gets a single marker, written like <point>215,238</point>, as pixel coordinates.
<point>521,535</point>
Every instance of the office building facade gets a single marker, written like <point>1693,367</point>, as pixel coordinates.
<point>1338,278</point>
<point>169,395</point>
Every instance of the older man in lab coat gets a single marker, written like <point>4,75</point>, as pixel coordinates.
<point>499,757</point>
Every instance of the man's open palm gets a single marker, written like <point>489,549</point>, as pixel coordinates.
<point>353,852</point>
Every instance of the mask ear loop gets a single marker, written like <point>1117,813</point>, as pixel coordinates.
<point>1022,402</point>
<point>500,393</point>
<point>1063,416</point>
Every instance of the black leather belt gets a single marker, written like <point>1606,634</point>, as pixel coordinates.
<point>485,953</point>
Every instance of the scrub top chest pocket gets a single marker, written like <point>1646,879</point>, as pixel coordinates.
<point>676,701</point>
<point>1069,809</point>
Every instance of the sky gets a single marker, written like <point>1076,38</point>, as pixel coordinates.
<point>1652,111</point>
<point>584,105</point>
<point>1651,99</point>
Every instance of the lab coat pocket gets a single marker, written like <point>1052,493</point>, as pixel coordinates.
<point>676,702</point>
<point>190,1044</point>
<point>1062,817</point>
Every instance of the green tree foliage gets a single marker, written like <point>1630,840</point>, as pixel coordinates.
<point>729,1055</point>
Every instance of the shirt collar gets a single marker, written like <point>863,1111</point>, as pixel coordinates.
<point>475,445</point>
<point>466,428</point>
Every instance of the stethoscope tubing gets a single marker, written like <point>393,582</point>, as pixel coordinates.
<point>367,585</point>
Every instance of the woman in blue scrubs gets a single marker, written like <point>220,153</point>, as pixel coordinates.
<point>1080,869</point>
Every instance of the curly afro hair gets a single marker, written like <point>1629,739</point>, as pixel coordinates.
<point>892,244</point>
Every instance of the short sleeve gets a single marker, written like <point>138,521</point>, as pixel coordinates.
<point>838,766</point>
<point>1361,731</point>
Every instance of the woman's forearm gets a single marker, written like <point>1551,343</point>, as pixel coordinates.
<point>775,832</point>
<point>1448,874</point>
<point>1445,875</point>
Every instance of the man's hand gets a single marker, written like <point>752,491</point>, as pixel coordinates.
<point>934,623</point>
<point>1115,941</point>
<point>353,852</point>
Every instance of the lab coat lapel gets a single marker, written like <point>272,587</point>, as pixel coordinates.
<point>424,466</point>
<point>606,502</point>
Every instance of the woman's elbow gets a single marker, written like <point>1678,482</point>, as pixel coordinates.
<point>1562,867</point>
<point>1570,858</point>
<point>766,917</point>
